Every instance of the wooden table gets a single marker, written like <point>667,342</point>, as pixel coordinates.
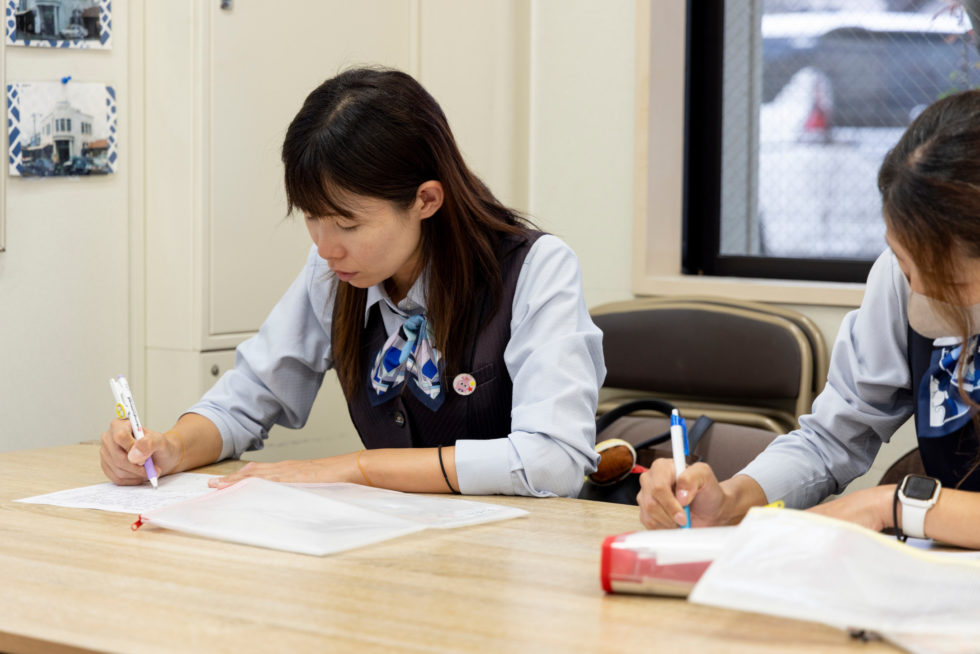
<point>80,580</point>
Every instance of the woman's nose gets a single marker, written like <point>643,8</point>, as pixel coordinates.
<point>327,246</point>
<point>330,250</point>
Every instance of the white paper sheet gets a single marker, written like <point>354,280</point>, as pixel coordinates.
<point>806,566</point>
<point>129,499</point>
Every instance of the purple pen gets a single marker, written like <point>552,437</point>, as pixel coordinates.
<point>126,408</point>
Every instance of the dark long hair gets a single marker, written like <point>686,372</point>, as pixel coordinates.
<point>378,133</point>
<point>930,191</point>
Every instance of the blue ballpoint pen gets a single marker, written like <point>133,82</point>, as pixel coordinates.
<point>126,408</point>
<point>678,446</point>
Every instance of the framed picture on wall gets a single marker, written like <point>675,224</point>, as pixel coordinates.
<point>59,23</point>
<point>61,129</point>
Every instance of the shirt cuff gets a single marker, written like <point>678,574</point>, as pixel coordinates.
<point>478,469</point>
<point>228,449</point>
<point>771,476</point>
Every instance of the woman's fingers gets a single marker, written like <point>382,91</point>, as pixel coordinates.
<point>122,457</point>
<point>658,506</point>
<point>663,496</point>
<point>252,469</point>
<point>113,454</point>
<point>329,469</point>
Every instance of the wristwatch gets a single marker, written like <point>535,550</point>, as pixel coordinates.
<point>917,494</point>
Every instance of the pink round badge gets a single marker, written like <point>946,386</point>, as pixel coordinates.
<point>464,384</point>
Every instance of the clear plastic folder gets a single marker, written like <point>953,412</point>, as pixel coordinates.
<point>317,519</point>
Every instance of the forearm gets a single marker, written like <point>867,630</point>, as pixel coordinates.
<point>955,519</point>
<point>193,442</point>
<point>404,469</point>
<point>741,494</point>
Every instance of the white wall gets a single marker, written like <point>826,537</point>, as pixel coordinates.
<point>64,292</point>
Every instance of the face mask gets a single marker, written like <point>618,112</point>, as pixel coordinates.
<point>927,321</point>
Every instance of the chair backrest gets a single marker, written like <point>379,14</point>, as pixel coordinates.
<point>737,362</point>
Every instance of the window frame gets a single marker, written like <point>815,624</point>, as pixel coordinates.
<point>662,172</point>
<point>702,213</point>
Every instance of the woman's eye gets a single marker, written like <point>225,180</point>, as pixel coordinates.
<point>347,227</point>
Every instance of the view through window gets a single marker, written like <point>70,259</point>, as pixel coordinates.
<point>813,94</point>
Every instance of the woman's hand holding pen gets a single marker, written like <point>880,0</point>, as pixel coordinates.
<point>661,508</point>
<point>122,456</point>
<point>712,503</point>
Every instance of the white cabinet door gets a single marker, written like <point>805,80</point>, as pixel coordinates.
<point>265,58</point>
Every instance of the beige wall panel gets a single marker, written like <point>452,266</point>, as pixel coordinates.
<point>64,282</point>
<point>261,71</point>
<point>171,264</point>
<point>474,61</point>
<point>581,168</point>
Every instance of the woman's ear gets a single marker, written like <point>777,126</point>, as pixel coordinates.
<point>428,198</point>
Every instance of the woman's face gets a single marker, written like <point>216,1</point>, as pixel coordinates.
<point>967,275</point>
<point>379,242</point>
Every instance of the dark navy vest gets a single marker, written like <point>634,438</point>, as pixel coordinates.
<point>403,421</point>
<point>947,457</point>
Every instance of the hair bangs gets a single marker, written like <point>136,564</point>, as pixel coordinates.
<point>311,189</point>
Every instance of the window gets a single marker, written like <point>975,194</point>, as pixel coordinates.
<point>791,106</point>
<point>67,124</point>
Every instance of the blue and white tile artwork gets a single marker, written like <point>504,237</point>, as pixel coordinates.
<point>61,129</point>
<point>85,24</point>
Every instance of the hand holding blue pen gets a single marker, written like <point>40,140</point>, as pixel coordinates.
<point>678,445</point>
<point>126,408</point>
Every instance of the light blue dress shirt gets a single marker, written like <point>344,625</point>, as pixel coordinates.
<point>554,358</point>
<point>867,397</point>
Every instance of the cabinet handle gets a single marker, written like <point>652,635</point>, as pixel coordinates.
<point>226,4</point>
<point>215,370</point>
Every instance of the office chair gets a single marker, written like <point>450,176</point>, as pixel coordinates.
<point>750,369</point>
<point>736,362</point>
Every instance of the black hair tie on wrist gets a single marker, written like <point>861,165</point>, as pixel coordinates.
<point>442,466</point>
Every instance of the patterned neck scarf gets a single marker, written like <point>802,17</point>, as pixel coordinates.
<point>408,352</point>
<point>941,409</point>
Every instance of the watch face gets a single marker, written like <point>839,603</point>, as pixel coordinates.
<point>919,488</point>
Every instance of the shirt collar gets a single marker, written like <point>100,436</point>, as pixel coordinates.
<point>413,302</point>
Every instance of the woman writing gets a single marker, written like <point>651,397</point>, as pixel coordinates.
<point>460,335</point>
<point>910,350</point>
